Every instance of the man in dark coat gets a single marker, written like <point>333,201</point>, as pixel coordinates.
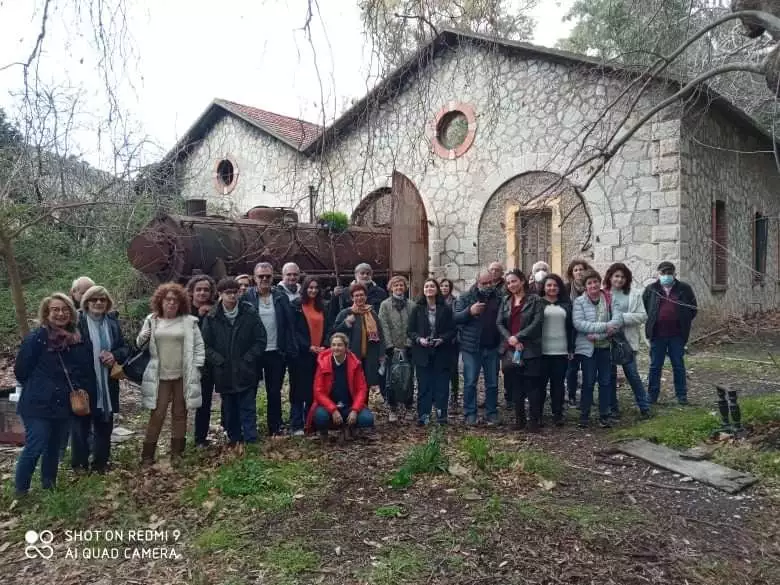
<point>235,340</point>
<point>671,308</point>
<point>476,313</point>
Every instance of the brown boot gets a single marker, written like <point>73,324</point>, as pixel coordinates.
<point>177,449</point>
<point>147,454</point>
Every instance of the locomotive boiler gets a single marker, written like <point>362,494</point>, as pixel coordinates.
<point>174,247</point>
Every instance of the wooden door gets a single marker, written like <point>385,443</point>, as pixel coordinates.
<point>409,225</point>
<point>534,238</point>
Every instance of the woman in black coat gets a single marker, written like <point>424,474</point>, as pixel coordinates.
<point>310,318</point>
<point>235,340</point>
<point>102,334</point>
<point>51,359</point>
<point>432,329</point>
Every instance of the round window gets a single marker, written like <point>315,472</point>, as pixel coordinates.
<point>225,173</point>
<point>452,130</point>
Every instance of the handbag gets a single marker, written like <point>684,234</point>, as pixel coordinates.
<point>79,398</point>
<point>134,366</point>
<point>399,377</point>
<point>620,350</point>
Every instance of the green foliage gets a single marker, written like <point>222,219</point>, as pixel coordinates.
<point>397,565</point>
<point>389,512</point>
<point>255,483</point>
<point>426,458</point>
<point>291,558</point>
<point>545,465</point>
<point>592,519</point>
<point>481,452</point>
<point>219,537</point>
<point>336,221</point>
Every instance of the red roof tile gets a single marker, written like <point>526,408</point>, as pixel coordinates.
<point>298,133</point>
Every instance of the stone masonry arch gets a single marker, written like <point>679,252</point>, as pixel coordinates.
<point>533,216</point>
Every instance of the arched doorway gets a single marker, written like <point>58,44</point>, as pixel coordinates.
<point>401,208</point>
<point>533,216</point>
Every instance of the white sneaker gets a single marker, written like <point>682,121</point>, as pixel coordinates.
<point>392,417</point>
<point>298,433</point>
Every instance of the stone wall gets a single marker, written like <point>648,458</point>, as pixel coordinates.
<point>269,172</point>
<point>724,161</point>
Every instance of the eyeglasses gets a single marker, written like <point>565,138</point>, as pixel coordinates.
<point>262,276</point>
<point>59,310</point>
<point>100,300</point>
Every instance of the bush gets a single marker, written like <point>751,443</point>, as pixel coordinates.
<point>336,221</point>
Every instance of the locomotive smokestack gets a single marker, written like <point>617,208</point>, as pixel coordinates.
<point>195,207</point>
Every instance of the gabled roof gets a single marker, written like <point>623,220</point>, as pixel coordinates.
<point>311,139</point>
<point>450,38</point>
<point>295,133</point>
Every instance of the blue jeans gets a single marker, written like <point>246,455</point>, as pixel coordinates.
<point>240,416</point>
<point>487,361</point>
<point>597,368</point>
<point>659,348</point>
<point>571,376</point>
<point>635,381</point>
<point>42,439</point>
<point>323,421</point>
<point>433,388</point>
<point>99,429</point>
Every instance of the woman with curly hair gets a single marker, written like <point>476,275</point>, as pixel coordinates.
<point>52,359</point>
<point>173,374</point>
<point>576,286</point>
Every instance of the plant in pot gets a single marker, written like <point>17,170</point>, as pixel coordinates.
<point>333,221</point>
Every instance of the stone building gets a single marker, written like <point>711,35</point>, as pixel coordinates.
<point>492,136</point>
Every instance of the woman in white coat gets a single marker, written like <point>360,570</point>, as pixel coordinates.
<point>627,300</point>
<point>173,374</point>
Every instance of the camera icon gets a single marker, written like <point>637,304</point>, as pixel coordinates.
<point>39,544</point>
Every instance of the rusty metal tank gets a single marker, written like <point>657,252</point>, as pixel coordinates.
<point>173,247</point>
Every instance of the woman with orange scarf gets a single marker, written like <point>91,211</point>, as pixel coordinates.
<point>366,340</point>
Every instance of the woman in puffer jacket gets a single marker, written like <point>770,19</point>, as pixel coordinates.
<point>173,373</point>
<point>627,300</point>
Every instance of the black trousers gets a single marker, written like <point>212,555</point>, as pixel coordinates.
<point>521,387</point>
<point>301,388</point>
<point>272,365</point>
<point>203,414</point>
<point>100,429</point>
<point>554,368</point>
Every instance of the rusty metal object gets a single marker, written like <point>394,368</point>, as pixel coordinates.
<point>272,214</point>
<point>172,247</point>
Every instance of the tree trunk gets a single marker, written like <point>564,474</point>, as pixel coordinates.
<point>14,282</point>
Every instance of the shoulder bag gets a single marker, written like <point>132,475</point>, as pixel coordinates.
<point>620,350</point>
<point>79,398</point>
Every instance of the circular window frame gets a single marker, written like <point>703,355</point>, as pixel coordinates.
<point>221,187</point>
<point>454,107</point>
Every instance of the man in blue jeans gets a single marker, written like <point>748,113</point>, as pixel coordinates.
<point>671,308</point>
<point>475,315</point>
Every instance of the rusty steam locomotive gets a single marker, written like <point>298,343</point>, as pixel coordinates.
<point>174,247</point>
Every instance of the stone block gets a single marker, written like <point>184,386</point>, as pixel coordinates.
<point>667,129</point>
<point>670,146</point>
<point>666,233</point>
<point>647,252</point>
<point>642,234</point>
<point>452,271</point>
<point>643,202</point>
<point>630,170</point>
<point>668,251</point>
<point>669,215</point>
<point>470,259</point>
<point>649,217</point>
<point>436,247</point>
<point>665,164</point>
<point>670,181</point>
<point>609,238</point>
<point>621,220</point>
<point>647,184</point>
<point>467,245</point>
<point>602,254</point>
<point>451,244</point>
<point>618,253</point>
<point>672,198</point>
<point>658,200</point>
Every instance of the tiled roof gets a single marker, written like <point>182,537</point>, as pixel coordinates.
<point>297,133</point>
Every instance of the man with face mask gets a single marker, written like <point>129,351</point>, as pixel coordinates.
<point>476,313</point>
<point>539,272</point>
<point>671,308</point>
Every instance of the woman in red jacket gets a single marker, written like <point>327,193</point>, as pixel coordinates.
<point>340,391</point>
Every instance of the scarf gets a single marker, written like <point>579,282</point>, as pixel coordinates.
<point>368,330</point>
<point>231,315</point>
<point>576,289</point>
<point>100,336</point>
<point>399,303</point>
<point>60,339</point>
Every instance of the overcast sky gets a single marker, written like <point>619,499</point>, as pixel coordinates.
<point>182,54</point>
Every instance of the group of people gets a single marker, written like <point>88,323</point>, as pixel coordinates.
<point>226,336</point>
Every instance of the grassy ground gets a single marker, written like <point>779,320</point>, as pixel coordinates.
<point>417,506</point>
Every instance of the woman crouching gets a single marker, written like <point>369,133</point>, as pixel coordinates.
<point>173,374</point>
<point>340,391</point>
